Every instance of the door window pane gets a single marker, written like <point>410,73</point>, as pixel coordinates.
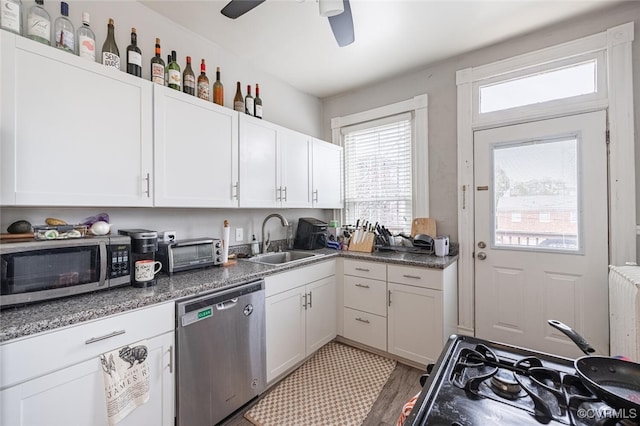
<point>537,183</point>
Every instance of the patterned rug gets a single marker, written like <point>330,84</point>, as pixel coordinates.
<point>337,386</point>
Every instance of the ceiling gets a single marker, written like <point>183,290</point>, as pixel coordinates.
<point>289,39</point>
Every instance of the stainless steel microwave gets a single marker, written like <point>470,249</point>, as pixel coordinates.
<point>35,271</point>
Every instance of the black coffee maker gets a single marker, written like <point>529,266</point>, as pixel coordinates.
<point>311,234</point>
<point>144,245</point>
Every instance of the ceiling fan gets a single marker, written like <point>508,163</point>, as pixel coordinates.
<point>337,11</point>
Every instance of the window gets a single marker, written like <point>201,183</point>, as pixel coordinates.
<point>378,172</point>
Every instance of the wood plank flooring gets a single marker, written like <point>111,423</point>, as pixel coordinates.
<point>402,385</point>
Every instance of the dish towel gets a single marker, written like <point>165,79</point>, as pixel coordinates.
<point>126,380</point>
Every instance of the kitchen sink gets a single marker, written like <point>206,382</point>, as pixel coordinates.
<point>282,257</point>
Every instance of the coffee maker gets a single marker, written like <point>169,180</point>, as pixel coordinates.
<point>144,245</point>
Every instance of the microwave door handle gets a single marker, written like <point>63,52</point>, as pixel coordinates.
<point>103,264</point>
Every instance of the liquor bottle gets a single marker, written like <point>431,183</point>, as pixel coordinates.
<point>63,31</point>
<point>218,89</point>
<point>258,103</point>
<point>39,23</point>
<point>203,82</point>
<point>134,56</point>
<point>166,71</point>
<point>11,15</point>
<point>174,72</point>
<point>238,101</point>
<point>157,66</point>
<point>188,79</point>
<point>86,39</point>
<point>248,102</point>
<point>110,52</point>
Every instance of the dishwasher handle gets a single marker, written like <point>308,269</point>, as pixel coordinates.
<point>227,304</point>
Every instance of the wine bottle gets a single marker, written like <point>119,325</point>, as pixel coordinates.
<point>238,101</point>
<point>218,89</point>
<point>157,66</point>
<point>258,103</point>
<point>86,39</point>
<point>134,56</point>
<point>188,79</point>
<point>64,32</point>
<point>248,102</point>
<point>203,82</point>
<point>110,52</point>
<point>11,15</point>
<point>39,23</point>
<point>166,71</point>
<point>174,72</point>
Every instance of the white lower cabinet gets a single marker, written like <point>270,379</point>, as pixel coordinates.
<point>66,386</point>
<point>300,315</point>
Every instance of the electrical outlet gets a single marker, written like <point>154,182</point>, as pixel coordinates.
<point>239,234</point>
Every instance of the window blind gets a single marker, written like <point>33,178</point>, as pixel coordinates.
<point>378,174</point>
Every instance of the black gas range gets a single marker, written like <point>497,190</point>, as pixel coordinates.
<point>479,382</point>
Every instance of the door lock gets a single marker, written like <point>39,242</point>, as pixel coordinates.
<point>482,255</point>
<point>482,244</point>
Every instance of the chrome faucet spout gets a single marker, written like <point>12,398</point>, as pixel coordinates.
<point>266,242</point>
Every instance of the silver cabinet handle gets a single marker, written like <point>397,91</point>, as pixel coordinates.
<point>389,297</point>
<point>235,195</point>
<point>106,336</point>
<point>362,285</point>
<point>366,321</point>
<point>362,269</point>
<point>304,304</point>
<point>315,196</point>
<point>285,193</point>
<point>148,191</point>
<point>310,300</point>
<point>171,359</point>
<point>279,193</point>
<point>415,277</point>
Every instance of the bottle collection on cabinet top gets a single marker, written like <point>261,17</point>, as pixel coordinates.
<point>38,26</point>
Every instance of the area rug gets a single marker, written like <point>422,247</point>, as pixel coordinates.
<point>337,386</point>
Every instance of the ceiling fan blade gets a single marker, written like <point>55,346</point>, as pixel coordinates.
<point>236,8</point>
<point>342,26</point>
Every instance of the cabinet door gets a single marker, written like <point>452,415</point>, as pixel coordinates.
<point>259,168</point>
<point>295,162</point>
<point>75,395</point>
<point>78,134</point>
<point>415,323</point>
<point>285,331</point>
<point>327,175</point>
<point>321,313</point>
<point>195,151</point>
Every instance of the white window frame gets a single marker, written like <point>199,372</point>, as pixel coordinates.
<point>614,45</point>
<point>419,144</point>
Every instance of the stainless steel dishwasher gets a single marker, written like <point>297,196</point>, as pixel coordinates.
<point>220,353</point>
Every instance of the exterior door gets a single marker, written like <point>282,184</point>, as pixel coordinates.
<point>541,232</point>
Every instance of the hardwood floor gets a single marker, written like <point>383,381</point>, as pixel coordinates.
<point>402,385</point>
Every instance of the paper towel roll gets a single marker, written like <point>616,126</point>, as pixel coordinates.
<point>225,243</point>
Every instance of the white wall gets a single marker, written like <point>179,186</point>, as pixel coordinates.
<point>439,82</point>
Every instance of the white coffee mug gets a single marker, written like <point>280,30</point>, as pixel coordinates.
<point>146,269</point>
<point>442,246</point>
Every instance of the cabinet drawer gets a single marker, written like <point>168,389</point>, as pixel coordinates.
<point>43,353</point>
<point>365,328</point>
<point>358,268</point>
<point>419,277</point>
<point>366,295</point>
<point>278,283</point>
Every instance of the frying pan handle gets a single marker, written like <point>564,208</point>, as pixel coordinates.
<point>573,335</point>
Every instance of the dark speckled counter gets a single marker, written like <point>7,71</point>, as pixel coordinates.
<point>31,319</point>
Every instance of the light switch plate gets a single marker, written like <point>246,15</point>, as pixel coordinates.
<point>239,234</point>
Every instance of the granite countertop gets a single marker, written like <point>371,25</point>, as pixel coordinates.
<point>27,320</point>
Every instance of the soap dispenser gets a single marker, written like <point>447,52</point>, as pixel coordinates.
<point>255,248</point>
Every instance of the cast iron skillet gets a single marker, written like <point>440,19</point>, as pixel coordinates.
<point>615,381</point>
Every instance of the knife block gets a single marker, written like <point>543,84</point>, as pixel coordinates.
<point>365,246</point>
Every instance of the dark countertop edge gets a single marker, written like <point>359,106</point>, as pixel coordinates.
<point>131,298</point>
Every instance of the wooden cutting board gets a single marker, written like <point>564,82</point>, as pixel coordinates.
<point>423,225</point>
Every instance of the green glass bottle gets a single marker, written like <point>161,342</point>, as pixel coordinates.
<point>174,72</point>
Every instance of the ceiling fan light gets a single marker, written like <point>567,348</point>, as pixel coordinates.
<point>330,8</point>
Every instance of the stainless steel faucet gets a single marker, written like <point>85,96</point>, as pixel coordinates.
<point>266,242</point>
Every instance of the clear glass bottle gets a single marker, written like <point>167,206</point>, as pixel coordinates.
<point>188,79</point>
<point>174,72</point>
<point>86,40</point>
<point>110,52</point>
<point>39,23</point>
<point>11,16</point>
<point>134,56</point>
<point>63,30</point>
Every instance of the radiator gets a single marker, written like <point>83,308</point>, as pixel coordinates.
<point>624,311</point>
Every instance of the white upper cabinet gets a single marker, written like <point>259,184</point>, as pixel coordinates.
<point>196,151</point>
<point>74,132</point>
<point>327,175</point>
<point>274,165</point>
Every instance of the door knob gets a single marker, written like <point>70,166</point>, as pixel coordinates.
<point>482,255</point>
<point>482,244</point>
